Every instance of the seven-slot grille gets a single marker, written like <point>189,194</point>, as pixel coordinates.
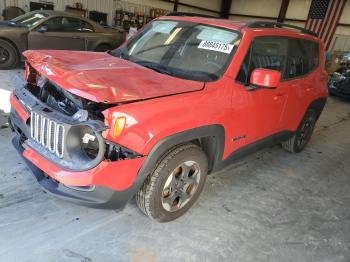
<point>48,133</point>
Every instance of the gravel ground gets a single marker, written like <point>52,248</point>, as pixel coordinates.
<point>270,206</point>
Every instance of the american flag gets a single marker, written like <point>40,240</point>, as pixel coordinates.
<point>323,18</point>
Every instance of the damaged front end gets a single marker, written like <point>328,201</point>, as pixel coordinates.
<point>62,127</point>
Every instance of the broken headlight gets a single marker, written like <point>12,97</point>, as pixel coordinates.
<point>83,142</point>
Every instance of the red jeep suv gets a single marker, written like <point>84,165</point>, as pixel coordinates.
<point>183,98</point>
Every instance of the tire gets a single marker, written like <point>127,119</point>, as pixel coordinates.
<point>303,134</point>
<point>8,55</point>
<point>175,184</point>
<point>103,48</point>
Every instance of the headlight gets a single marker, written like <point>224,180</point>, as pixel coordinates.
<point>82,142</point>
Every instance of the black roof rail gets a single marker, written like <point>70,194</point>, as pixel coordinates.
<point>265,24</point>
<point>188,14</point>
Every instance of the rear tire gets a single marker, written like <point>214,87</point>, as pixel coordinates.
<point>303,134</point>
<point>175,184</point>
<point>8,55</point>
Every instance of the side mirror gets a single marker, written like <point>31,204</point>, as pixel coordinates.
<point>265,78</point>
<point>42,29</point>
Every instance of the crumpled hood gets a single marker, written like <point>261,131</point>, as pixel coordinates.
<point>101,77</point>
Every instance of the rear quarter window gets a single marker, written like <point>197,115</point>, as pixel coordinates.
<point>303,58</point>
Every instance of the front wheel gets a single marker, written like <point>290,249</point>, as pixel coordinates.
<point>175,184</point>
<point>303,134</point>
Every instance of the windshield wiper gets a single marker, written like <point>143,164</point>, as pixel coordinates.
<point>156,67</point>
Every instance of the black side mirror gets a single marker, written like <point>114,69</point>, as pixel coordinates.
<point>42,29</point>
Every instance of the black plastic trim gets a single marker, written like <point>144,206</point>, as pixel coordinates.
<point>214,148</point>
<point>254,147</point>
<point>266,24</point>
<point>318,105</point>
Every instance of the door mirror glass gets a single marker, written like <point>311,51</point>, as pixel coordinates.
<point>42,29</point>
<point>267,78</point>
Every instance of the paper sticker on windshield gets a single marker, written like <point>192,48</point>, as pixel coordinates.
<point>216,46</point>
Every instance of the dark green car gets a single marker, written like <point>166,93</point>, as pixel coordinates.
<point>53,30</point>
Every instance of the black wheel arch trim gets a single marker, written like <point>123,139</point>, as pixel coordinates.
<point>318,105</point>
<point>210,137</point>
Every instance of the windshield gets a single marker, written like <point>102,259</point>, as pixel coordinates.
<point>29,20</point>
<point>182,49</point>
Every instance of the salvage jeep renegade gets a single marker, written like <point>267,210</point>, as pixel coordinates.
<point>183,98</point>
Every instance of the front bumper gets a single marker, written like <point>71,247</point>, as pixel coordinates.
<point>108,185</point>
<point>99,197</point>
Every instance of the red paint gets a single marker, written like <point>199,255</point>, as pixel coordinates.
<point>103,78</point>
<point>18,107</point>
<point>225,102</point>
<point>265,77</point>
<point>117,175</point>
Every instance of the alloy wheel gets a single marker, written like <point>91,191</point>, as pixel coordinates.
<point>180,186</point>
<point>306,131</point>
<point>4,55</point>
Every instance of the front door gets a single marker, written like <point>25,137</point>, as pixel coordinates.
<point>60,34</point>
<point>262,108</point>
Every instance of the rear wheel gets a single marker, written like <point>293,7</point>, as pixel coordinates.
<point>8,55</point>
<point>175,184</point>
<point>303,134</point>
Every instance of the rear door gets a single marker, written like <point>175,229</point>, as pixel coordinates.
<point>263,108</point>
<point>63,33</point>
<point>301,78</point>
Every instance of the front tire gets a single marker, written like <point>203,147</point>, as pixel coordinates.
<point>175,184</point>
<point>8,55</point>
<point>303,134</point>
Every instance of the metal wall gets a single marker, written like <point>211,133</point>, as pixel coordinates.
<point>109,6</point>
<point>106,6</point>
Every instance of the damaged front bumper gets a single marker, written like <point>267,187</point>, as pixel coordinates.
<point>106,184</point>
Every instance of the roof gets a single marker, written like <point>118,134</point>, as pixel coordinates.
<point>55,13</point>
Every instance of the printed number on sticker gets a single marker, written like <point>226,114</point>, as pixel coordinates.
<point>216,46</point>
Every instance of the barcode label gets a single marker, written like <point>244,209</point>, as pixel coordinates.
<point>216,46</point>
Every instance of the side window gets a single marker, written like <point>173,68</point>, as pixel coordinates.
<point>303,57</point>
<point>75,25</point>
<point>265,52</point>
<point>68,24</point>
<point>54,24</point>
<point>313,55</point>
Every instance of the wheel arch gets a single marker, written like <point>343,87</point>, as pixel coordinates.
<point>210,138</point>
<point>317,105</point>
